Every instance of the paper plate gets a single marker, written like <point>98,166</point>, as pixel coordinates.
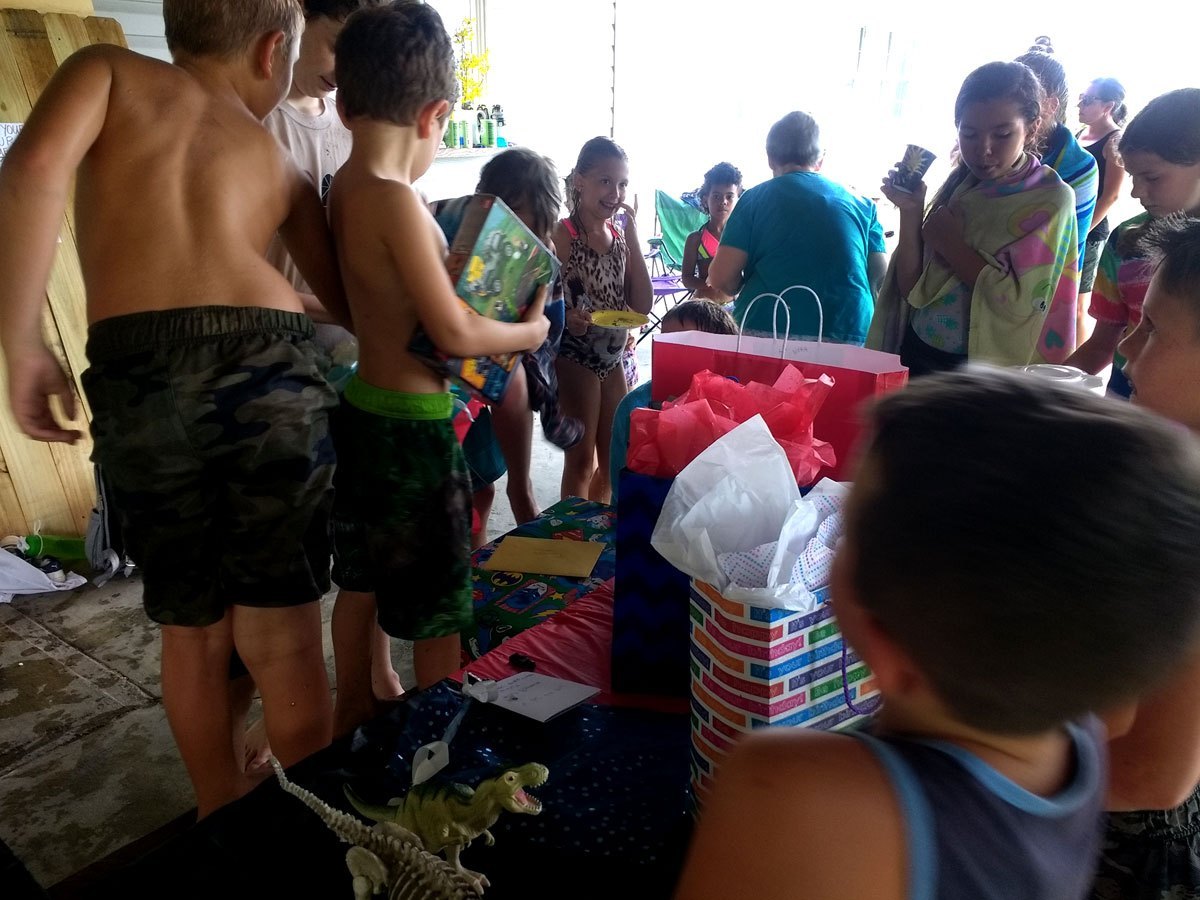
<point>618,318</point>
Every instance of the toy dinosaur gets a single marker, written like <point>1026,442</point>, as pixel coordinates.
<point>446,817</point>
<point>387,856</point>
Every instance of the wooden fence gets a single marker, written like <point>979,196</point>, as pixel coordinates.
<point>47,485</point>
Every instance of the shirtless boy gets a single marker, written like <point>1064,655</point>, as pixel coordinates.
<point>402,523</point>
<point>209,412</point>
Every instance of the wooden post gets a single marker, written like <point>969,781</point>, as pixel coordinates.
<point>75,7</point>
<point>48,484</point>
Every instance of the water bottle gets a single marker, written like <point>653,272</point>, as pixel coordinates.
<point>53,545</point>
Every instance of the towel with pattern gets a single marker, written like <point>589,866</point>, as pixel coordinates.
<point>1022,307</point>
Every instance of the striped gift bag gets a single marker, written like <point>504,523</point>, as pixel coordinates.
<point>752,667</point>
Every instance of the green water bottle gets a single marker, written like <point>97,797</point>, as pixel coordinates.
<point>53,545</point>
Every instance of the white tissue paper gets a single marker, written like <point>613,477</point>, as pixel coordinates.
<point>734,518</point>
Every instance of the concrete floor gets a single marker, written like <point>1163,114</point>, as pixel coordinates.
<point>87,762</point>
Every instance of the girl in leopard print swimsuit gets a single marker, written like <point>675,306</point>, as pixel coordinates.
<point>599,272</point>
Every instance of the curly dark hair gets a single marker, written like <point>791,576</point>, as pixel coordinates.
<point>721,173</point>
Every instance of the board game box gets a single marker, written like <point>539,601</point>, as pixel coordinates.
<point>496,264</point>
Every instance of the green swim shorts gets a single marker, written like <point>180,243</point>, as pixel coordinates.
<point>212,425</point>
<point>402,515</point>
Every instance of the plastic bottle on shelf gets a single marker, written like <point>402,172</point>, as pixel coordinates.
<point>498,125</point>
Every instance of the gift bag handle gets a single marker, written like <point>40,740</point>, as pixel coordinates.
<point>787,317</point>
<point>868,709</point>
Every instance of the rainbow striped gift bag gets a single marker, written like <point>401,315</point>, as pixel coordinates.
<point>752,667</point>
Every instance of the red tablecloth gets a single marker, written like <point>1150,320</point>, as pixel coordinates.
<point>575,644</point>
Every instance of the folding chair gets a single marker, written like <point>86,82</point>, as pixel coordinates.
<point>675,221</point>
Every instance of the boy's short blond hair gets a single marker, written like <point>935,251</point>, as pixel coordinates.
<point>224,28</point>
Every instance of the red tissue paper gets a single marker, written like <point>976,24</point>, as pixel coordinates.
<point>663,442</point>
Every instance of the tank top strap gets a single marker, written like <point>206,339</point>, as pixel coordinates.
<point>570,226</point>
<point>1086,741</point>
<point>920,837</point>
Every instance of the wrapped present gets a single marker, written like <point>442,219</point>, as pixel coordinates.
<point>753,666</point>
<point>650,598</point>
<point>765,648</point>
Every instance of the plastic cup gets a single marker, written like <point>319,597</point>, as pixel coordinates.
<point>1068,376</point>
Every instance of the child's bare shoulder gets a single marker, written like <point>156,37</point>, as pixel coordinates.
<point>783,788</point>
<point>371,206</point>
<point>139,72</point>
<point>385,200</point>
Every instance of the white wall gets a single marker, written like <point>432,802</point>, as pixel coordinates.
<point>142,22</point>
<point>699,81</point>
<point>551,71</point>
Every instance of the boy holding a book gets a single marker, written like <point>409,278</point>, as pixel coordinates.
<point>402,511</point>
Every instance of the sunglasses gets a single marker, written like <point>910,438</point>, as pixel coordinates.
<point>1088,98</point>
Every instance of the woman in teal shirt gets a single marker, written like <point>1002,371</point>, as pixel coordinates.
<point>800,228</point>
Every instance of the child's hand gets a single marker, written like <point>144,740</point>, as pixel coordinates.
<point>904,201</point>
<point>535,317</point>
<point>32,380</point>
<point>943,229</point>
<point>630,214</point>
<point>578,321</point>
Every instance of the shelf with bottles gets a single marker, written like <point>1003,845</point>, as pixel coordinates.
<point>466,152</point>
<point>475,127</point>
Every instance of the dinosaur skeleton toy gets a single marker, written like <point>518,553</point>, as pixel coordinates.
<point>398,853</point>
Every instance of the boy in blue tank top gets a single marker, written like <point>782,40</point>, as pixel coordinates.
<point>999,604</point>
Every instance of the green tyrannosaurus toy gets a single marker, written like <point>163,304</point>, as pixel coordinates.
<point>448,816</point>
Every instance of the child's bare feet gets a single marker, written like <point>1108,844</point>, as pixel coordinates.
<point>257,758</point>
<point>385,683</point>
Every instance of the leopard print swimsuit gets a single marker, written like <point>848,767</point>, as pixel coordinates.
<point>594,281</point>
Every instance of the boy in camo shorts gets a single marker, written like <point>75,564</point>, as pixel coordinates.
<point>210,416</point>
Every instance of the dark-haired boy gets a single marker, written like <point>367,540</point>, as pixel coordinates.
<point>402,520</point>
<point>306,123</point>
<point>998,604</point>
<point>210,416</point>
<point>1152,847</point>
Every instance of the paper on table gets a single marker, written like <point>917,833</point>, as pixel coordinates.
<point>542,556</point>
<point>540,697</point>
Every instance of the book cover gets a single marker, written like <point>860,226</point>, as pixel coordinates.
<point>496,264</point>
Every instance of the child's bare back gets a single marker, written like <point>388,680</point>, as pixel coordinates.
<point>390,251</point>
<point>180,192</point>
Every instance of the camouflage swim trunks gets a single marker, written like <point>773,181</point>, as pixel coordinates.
<point>212,426</point>
<point>402,516</point>
<point>1151,855</point>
